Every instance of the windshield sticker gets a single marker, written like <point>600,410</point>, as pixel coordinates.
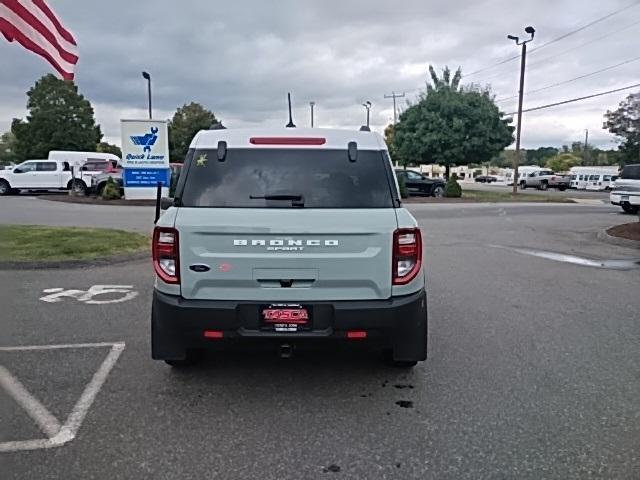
<point>202,160</point>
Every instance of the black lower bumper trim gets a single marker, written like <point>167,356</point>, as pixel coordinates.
<point>178,324</point>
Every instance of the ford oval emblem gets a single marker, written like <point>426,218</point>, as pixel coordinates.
<point>199,267</point>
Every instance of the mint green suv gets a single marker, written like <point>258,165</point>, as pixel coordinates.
<point>285,236</point>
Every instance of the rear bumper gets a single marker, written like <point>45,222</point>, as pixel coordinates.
<point>178,324</point>
<point>620,197</point>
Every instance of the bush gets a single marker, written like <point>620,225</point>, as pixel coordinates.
<point>111,191</point>
<point>404,193</point>
<point>453,189</point>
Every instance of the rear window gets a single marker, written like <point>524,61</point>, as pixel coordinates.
<point>288,178</point>
<point>631,172</point>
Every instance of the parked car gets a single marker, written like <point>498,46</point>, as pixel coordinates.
<point>284,236</point>
<point>543,179</point>
<point>626,189</point>
<point>100,180</point>
<point>44,175</point>
<point>420,184</point>
<point>486,179</point>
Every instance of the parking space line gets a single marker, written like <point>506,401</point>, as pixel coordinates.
<point>57,347</point>
<point>47,422</point>
<point>68,431</point>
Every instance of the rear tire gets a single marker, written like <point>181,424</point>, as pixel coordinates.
<point>562,189</point>
<point>544,186</point>
<point>192,357</point>
<point>523,185</point>
<point>5,188</point>
<point>402,364</point>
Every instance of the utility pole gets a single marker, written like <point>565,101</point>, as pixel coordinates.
<point>312,104</point>
<point>394,95</point>
<point>585,153</point>
<point>531,31</point>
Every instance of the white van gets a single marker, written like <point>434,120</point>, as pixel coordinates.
<point>581,177</point>
<point>600,182</point>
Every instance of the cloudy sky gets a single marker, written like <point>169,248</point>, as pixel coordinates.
<point>240,58</point>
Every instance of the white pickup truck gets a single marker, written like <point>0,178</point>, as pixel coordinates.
<point>45,175</point>
<point>543,179</point>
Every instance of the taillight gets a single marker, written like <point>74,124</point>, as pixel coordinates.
<point>407,255</point>
<point>166,257</point>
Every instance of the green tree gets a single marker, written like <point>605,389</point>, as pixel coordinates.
<point>540,155</point>
<point>389,138</point>
<point>186,122</point>
<point>445,82</point>
<point>59,119</point>
<point>106,147</point>
<point>624,123</point>
<point>452,125</point>
<point>8,149</point>
<point>562,162</point>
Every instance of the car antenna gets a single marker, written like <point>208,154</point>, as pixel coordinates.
<point>290,124</point>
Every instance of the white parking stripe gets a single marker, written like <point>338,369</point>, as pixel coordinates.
<point>47,422</point>
<point>56,347</point>
<point>67,432</point>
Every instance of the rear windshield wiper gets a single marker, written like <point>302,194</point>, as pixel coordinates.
<point>276,196</point>
<point>296,199</point>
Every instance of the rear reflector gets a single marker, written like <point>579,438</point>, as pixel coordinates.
<point>287,140</point>
<point>213,334</point>
<point>356,334</point>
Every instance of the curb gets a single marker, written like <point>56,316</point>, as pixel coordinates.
<point>621,242</point>
<point>74,264</point>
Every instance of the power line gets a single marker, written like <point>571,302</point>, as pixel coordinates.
<point>542,60</point>
<point>541,107</point>
<point>554,40</point>
<point>571,79</point>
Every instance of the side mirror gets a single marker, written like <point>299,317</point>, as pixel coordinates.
<point>166,203</point>
<point>17,170</point>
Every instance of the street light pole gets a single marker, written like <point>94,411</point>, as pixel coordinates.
<point>516,161</point>
<point>367,105</point>
<point>148,78</point>
<point>312,104</point>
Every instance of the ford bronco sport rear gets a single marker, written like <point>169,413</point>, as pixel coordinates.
<point>287,235</point>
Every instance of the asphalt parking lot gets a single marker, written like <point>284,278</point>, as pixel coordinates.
<point>534,368</point>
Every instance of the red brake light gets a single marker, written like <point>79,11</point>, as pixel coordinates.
<point>407,255</point>
<point>166,256</point>
<point>287,140</point>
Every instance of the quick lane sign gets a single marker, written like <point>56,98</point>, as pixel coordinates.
<point>145,157</point>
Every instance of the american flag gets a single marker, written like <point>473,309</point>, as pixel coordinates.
<point>34,26</point>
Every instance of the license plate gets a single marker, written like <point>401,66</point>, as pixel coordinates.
<point>285,317</point>
<point>624,198</point>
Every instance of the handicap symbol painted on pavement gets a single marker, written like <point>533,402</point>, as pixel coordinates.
<point>56,295</point>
